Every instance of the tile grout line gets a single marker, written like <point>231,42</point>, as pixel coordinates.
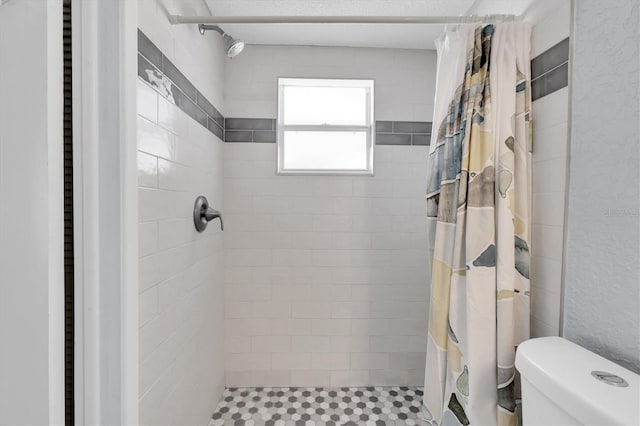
<point>549,71</point>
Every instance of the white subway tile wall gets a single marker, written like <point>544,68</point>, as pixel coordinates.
<point>404,78</point>
<point>547,240</point>
<point>181,308</point>
<point>550,138</point>
<point>335,266</point>
<point>326,279</point>
<point>180,282</point>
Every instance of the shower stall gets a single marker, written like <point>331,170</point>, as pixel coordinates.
<point>317,291</point>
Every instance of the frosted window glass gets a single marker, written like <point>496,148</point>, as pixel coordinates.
<point>325,150</point>
<point>325,126</point>
<point>325,105</point>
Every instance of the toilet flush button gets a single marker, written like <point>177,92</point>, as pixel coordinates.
<point>610,379</point>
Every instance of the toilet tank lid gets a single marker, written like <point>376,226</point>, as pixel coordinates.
<point>562,370</point>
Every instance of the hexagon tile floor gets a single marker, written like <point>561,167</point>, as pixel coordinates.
<point>370,406</point>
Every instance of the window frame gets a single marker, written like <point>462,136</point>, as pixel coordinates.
<point>368,127</point>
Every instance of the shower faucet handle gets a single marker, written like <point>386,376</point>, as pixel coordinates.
<point>203,214</point>
<point>211,214</point>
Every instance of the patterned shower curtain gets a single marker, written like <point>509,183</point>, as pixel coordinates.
<point>478,204</point>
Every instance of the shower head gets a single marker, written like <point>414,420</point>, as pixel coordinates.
<point>232,46</point>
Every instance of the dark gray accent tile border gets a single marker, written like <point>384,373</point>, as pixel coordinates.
<point>393,139</point>
<point>384,126</point>
<point>550,59</point>
<point>411,127</point>
<point>403,132</point>
<point>420,139</point>
<point>552,81</point>
<point>187,105</point>
<point>238,136</point>
<point>550,70</point>
<point>149,50</point>
<point>250,124</point>
<point>215,128</point>
<point>267,136</point>
<point>211,111</point>
<point>145,68</point>
<point>256,130</point>
<point>153,63</point>
<point>261,130</point>
<point>178,78</point>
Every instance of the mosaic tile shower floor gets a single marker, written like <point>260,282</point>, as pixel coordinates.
<point>370,406</point>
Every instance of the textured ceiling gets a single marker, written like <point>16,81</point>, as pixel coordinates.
<point>408,36</point>
<point>411,36</point>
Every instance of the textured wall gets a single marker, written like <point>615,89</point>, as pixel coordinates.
<point>180,283</point>
<point>602,294</point>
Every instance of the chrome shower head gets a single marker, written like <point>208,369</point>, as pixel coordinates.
<point>232,46</point>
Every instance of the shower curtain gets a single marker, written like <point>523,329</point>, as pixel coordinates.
<point>478,207</point>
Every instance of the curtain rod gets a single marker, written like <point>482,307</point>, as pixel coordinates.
<point>182,19</point>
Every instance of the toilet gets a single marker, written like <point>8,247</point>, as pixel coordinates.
<point>565,384</point>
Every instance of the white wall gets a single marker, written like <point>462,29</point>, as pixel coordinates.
<point>31,215</point>
<point>602,295</point>
<point>550,149</point>
<point>326,278</point>
<point>181,293</point>
<point>404,79</point>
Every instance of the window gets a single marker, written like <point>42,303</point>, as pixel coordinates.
<point>325,126</point>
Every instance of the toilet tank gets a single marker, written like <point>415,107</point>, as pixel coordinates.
<point>558,387</point>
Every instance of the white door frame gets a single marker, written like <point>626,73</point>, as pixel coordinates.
<point>31,213</point>
<point>104,46</point>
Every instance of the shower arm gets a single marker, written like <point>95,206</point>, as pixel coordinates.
<point>206,27</point>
